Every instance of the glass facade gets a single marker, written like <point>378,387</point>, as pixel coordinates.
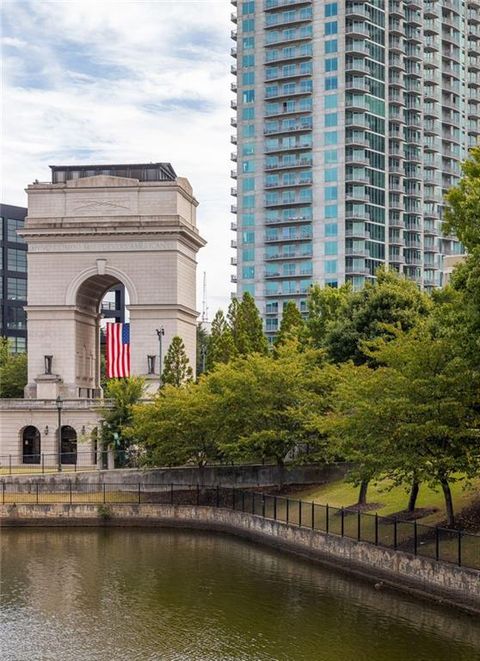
<point>353,118</point>
<point>13,277</point>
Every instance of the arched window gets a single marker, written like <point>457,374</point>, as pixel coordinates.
<point>68,450</point>
<point>31,445</point>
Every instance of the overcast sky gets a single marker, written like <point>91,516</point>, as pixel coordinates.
<point>105,81</point>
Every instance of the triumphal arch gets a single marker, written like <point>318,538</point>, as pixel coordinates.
<point>89,229</point>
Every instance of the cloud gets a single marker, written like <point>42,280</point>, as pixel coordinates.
<point>125,81</point>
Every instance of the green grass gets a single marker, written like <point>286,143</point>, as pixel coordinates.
<point>343,494</point>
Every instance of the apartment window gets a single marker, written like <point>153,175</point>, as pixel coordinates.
<point>249,131</point>
<point>248,96</point>
<point>17,289</point>
<point>12,227</point>
<point>331,211</point>
<point>248,25</point>
<point>331,119</point>
<point>248,220</point>
<point>248,201</point>
<point>248,113</point>
<point>331,229</point>
<point>248,149</point>
<point>248,42</point>
<point>249,7</point>
<point>248,60</point>
<point>331,64</point>
<point>331,137</point>
<point>331,174</point>
<point>331,28</point>
<point>248,166</point>
<point>330,266</point>
<point>331,156</point>
<point>331,83</point>
<point>272,307</point>
<point>331,101</point>
<point>331,248</point>
<point>248,272</point>
<point>248,184</point>
<point>331,46</point>
<point>17,260</point>
<point>248,237</point>
<point>331,192</point>
<point>248,255</point>
<point>248,78</point>
<point>271,324</point>
<point>331,9</point>
<point>249,289</point>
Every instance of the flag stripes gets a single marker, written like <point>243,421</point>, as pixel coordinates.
<point>118,350</point>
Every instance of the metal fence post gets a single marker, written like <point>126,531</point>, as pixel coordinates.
<point>104,499</point>
<point>274,508</point>
<point>376,529</point>
<point>313,515</point>
<point>263,505</point>
<point>198,495</point>
<point>359,520</point>
<point>233,498</point>
<point>415,539</point>
<point>253,502</point>
<point>10,463</point>
<point>342,522</point>
<point>75,464</point>
<point>437,543</point>
<point>243,501</point>
<point>37,491</point>
<point>139,493</point>
<point>70,489</point>
<point>43,463</point>
<point>299,513</point>
<point>459,548</point>
<point>287,512</point>
<point>217,497</point>
<point>171,493</point>
<point>395,533</point>
<point>326,519</point>
<point>3,493</point>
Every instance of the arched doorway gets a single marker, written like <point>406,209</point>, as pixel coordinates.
<point>31,445</point>
<point>68,446</point>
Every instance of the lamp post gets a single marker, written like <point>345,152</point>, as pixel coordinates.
<point>160,334</point>
<point>59,403</point>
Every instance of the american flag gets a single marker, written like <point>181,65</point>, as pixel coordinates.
<point>118,350</point>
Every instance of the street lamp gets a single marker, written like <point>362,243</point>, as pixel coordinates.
<point>59,403</point>
<point>160,334</point>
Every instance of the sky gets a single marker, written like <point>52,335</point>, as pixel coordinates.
<point>123,81</point>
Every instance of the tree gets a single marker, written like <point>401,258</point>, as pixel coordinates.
<point>292,324</point>
<point>325,306</point>
<point>221,347</point>
<point>390,303</point>
<point>178,427</point>
<point>176,367</point>
<point>203,341</point>
<point>462,215</point>
<point>121,395</point>
<point>247,327</point>
<point>13,371</point>
<point>414,419</point>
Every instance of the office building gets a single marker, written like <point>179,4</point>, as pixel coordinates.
<point>352,119</point>
<point>13,277</point>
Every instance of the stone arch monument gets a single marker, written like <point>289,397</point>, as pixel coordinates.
<point>88,230</point>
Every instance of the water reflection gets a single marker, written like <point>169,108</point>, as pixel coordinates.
<point>113,594</point>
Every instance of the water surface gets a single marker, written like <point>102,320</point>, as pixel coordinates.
<point>133,594</point>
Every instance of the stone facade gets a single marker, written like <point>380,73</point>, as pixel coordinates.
<point>85,235</point>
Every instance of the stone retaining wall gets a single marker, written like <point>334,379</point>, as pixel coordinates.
<point>225,476</point>
<point>442,581</point>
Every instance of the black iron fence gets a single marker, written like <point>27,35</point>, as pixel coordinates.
<point>435,542</point>
<point>52,462</point>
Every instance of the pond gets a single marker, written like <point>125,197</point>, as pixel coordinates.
<point>128,594</point>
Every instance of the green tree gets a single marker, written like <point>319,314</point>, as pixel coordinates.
<point>325,306</point>
<point>389,303</point>
<point>292,324</point>
<point>247,327</point>
<point>13,371</point>
<point>178,427</point>
<point>176,366</point>
<point>121,395</point>
<point>203,342</point>
<point>462,215</point>
<point>414,419</point>
<point>221,347</point>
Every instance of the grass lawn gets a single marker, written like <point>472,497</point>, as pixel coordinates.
<point>342,494</point>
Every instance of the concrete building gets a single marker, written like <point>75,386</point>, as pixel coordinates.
<point>13,277</point>
<point>351,121</point>
<point>93,228</point>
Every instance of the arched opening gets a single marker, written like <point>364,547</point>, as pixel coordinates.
<point>31,445</point>
<point>101,298</point>
<point>68,445</point>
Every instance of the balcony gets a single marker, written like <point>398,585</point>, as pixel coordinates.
<point>233,244</point>
<point>233,104</point>
<point>287,94</point>
<point>233,139</point>
<point>233,18</point>
<point>233,227</point>
<point>233,192</point>
<point>298,163</point>
<point>233,35</point>
<point>294,128</point>
<point>233,174</point>
<point>287,238</point>
<point>280,220</point>
<point>285,148</point>
<point>233,278</point>
<point>288,256</point>
<point>233,51</point>
<point>233,208</point>
<point>276,4</point>
<point>233,261</point>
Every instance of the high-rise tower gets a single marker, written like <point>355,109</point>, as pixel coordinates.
<point>352,120</point>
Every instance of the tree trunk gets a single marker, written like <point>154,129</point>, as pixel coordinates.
<point>412,501</point>
<point>362,495</point>
<point>448,502</point>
